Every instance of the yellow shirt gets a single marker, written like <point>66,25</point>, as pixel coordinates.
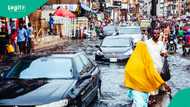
<point>10,48</point>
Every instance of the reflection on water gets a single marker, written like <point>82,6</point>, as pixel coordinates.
<point>113,95</point>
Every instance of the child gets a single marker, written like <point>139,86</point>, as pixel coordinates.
<point>10,51</point>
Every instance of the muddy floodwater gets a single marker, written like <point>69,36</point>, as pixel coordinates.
<point>113,92</point>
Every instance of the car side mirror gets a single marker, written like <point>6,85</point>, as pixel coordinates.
<point>97,46</point>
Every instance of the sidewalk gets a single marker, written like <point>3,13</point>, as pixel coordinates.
<point>48,42</point>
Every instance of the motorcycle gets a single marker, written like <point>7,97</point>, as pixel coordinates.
<point>162,99</point>
<point>171,45</point>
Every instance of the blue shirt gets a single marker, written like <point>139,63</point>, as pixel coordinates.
<point>29,32</point>
<point>51,20</point>
<point>21,35</point>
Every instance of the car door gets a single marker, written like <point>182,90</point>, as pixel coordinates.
<point>90,68</point>
<point>87,84</point>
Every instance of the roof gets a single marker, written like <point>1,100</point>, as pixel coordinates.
<point>65,54</point>
<point>117,37</point>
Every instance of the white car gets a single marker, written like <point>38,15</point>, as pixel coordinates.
<point>131,31</point>
<point>115,49</point>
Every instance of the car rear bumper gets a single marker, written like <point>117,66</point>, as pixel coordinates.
<point>112,60</point>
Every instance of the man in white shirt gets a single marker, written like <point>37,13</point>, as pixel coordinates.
<point>156,49</point>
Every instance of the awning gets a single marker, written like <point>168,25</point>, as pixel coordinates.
<point>85,7</point>
<point>64,13</point>
<point>70,7</point>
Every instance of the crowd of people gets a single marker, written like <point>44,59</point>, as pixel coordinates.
<point>19,41</point>
<point>145,79</point>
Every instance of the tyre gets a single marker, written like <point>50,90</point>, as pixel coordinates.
<point>95,97</point>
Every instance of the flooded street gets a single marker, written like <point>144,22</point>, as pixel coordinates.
<point>73,53</point>
<point>113,93</point>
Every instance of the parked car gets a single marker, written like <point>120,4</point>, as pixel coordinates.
<point>114,49</point>
<point>67,79</point>
<point>131,31</point>
<point>108,30</point>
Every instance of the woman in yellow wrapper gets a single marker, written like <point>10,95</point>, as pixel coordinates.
<point>141,73</point>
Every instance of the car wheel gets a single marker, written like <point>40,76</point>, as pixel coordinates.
<point>78,103</point>
<point>95,97</point>
<point>82,104</point>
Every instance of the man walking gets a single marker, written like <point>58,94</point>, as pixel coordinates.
<point>144,78</point>
<point>29,31</point>
<point>21,39</point>
<point>51,23</point>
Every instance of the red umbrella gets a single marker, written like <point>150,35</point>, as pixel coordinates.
<point>64,13</point>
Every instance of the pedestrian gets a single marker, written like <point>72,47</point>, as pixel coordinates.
<point>51,23</point>
<point>144,78</point>
<point>166,33</point>
<point>186,44</point>
<point>180,35</point>
<point>145,35</point>
<point>21,39</point>
<point>10,51</point>
<point>29,31</point>
<point>86,33</point>
<point>14,39</point>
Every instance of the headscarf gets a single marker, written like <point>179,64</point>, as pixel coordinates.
<point>140,72</point>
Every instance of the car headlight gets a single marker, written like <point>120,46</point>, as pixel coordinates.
<point>99,52</point>
<point>129,52</point>
<point>61,103</point>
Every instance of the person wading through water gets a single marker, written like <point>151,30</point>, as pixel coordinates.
<point>142,71</point>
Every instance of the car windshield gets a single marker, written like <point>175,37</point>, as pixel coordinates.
<point>129,30</point>
<point>42,68</point>
<point>109,28</point>
<point>116,42</point>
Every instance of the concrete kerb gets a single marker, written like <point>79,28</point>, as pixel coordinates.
<point>48,42</point>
